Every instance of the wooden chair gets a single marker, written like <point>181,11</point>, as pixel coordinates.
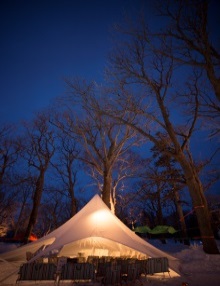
<point>112,275</point>
<point>93,259</point>
<point>133,273</point>
<point>143,264</point>
<point>157,265</point>
<point>25,272</point>
<point>89,271</point>
<point>44,271</point>
<point>77,272</point>
<point>101,269</point>
<point>67,272</point>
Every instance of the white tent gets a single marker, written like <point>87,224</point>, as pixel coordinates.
<point>94,230</point>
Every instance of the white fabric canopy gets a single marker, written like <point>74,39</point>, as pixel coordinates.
<point>94,230</point>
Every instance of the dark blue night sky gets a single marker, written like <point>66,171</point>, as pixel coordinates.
<point>43,41</point>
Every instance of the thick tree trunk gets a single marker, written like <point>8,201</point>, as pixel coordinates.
<point>73,206</point>
<point>36,204</point>
<point>106,192</point>
<point>19,218</point>
<point>200,205</point>
<point>72,197</point>
<point>71,191</point>
<point>181,219</point>
<point>3,168</point>
<point>160,219</point>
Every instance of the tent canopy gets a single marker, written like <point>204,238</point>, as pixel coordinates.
<point>159,229</point>
<point>142,229</point>
<point>94,230</point>
<point>163,229</point>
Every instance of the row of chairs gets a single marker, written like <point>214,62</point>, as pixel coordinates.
<point>107,273</point>
<point>37,271</point>
<point>130,270</point>
<point>112,272</point>
<point>49,271</point>
<point>148,266</point>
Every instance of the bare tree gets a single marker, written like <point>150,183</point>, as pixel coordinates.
<point>24,189</point>
<point>38,149</point>
<point>9,153</point>
<point>194,39</point>
<point>7,208</point>
<point>53,212</point>
<point>154,190</point>
<point>124,172</point>
<point>171,174</point>
<point>66,166</point>
<point>103,141</point>
<point>151,95</point>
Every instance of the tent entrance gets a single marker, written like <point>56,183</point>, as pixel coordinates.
<point>99,246</point>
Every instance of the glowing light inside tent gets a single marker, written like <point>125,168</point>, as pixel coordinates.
<point>100,216</point>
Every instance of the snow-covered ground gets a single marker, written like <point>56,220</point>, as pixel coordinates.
<point>196,268</point>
